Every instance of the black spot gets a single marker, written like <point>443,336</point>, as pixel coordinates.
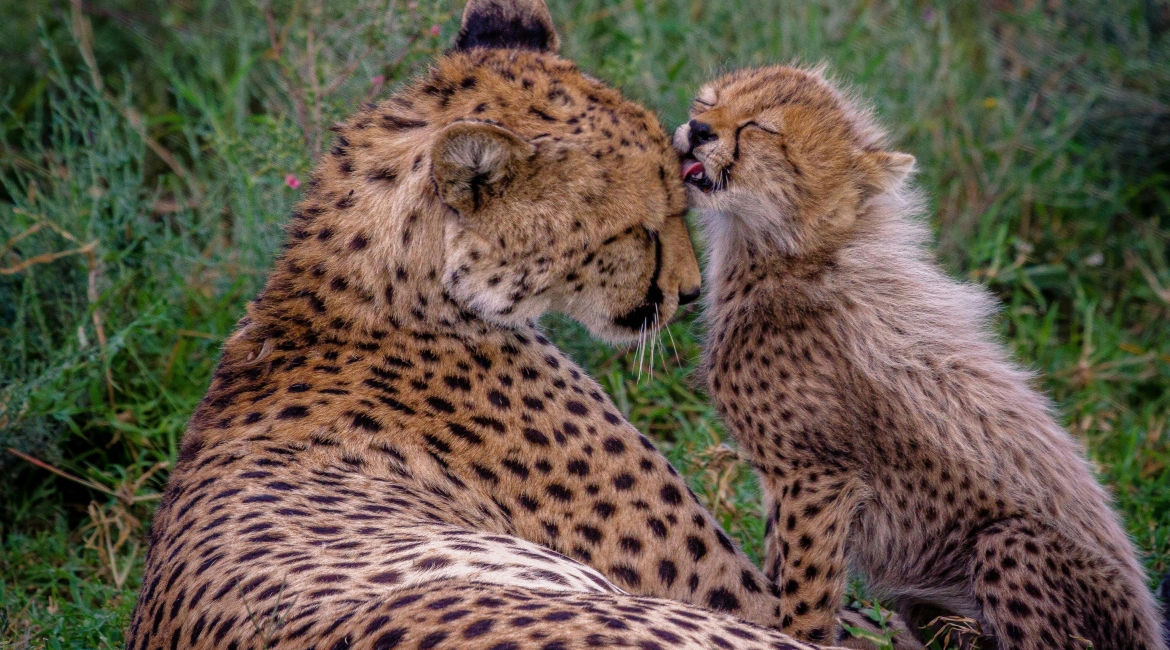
<point>396,123</point>
<point>724,541</point>
<point>439,445</point>
<point>519,469</point>
<point>631,545</point>
<point>383,174</point>
<point>464,433</point>
<point>457,382</point>
<point>577,408</point>
<point>591,534</point>
<point>667,572</point>
<point>499,400</point>
<point>614,445</point>
<point>749,582</point>
<point>671,495</point>
<point>292,413</point>
<point>696,547</point>
<point>365,421</point>
<point>440,404</point>
<point>478,628</point>
<point>431,640</point>
<point>559,492</point>
<point>490,423</point>
<point>1018,608</point>
<point>626,574</point>
<point>386,578</point>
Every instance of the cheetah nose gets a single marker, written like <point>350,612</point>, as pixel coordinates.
<point>701,133</point>
<point>687,296</point>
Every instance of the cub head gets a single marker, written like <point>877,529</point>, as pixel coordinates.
<point>561,194</point>
<point>778,155</point>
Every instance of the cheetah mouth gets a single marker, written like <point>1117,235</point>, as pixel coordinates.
<point>694,173</point>
<point>647,313</point>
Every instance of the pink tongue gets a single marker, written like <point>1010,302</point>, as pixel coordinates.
<point>692,168</point>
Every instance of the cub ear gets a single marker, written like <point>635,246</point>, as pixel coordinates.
<point>887,170</point>
<point>474,162</point>
<point>520,24</point>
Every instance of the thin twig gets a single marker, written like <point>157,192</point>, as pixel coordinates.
<point>47,257</point>
<point>83,33</point>
<point>12,241</point>
<point>62,473</point>
<point>344,75</point>
<point>126,493</point>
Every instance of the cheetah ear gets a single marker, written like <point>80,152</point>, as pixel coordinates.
<point>886,170</point>
<point>474,162</point>
<point>520,24</point>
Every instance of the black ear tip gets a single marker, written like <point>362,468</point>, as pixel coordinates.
<point>518,24</point>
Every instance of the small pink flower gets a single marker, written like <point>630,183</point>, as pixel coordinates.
<point>378,80</point>
<point>436,30</point>
<point>292,181</point>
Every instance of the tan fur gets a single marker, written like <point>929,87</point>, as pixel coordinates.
<point>392,455</point>
<point>891,430</point>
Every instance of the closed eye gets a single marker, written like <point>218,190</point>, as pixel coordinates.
<point>749,125</point>
<point>759,126</point>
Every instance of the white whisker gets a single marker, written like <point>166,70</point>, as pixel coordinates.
<point>653,339</point>
<point>641,349</point>
<point>673,346</point>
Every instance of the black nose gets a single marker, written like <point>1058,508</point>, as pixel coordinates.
<point>686,297</point>
<point>701,133</point>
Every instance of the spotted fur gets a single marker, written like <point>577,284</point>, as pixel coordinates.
<point>391,454</point>
<point>890,430</point>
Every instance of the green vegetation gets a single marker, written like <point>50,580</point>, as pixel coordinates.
<point>145,147</point>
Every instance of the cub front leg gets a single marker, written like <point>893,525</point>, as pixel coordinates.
<point>808,523</point>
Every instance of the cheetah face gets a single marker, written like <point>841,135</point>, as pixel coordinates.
<point>562,197</point>
<point>541,224</point>
<point>787,153</point>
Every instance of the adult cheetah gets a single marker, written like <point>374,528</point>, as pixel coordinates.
<point>889,428</point>
<point>391,454</point>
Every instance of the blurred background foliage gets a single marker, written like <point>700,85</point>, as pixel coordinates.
<point>150,149</point>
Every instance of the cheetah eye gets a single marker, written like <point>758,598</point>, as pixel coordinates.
<point>757,125</point>
<point>706,98</point>
<point>700,107</point>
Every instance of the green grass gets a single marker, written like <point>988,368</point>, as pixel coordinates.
<point>1042,136</point>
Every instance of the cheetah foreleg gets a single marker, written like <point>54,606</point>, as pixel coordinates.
<point>809,518</point>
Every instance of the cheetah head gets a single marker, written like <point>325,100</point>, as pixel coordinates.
<point>780,155</point>
<point>561,194</point>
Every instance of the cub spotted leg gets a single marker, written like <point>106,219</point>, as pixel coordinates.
<point>804,552</point>
<point>1040,591</point>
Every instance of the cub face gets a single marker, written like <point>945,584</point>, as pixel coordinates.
<point>785,158</point>
<point>562,195</point>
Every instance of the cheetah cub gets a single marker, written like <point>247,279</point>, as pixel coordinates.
<point>891,431</point>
